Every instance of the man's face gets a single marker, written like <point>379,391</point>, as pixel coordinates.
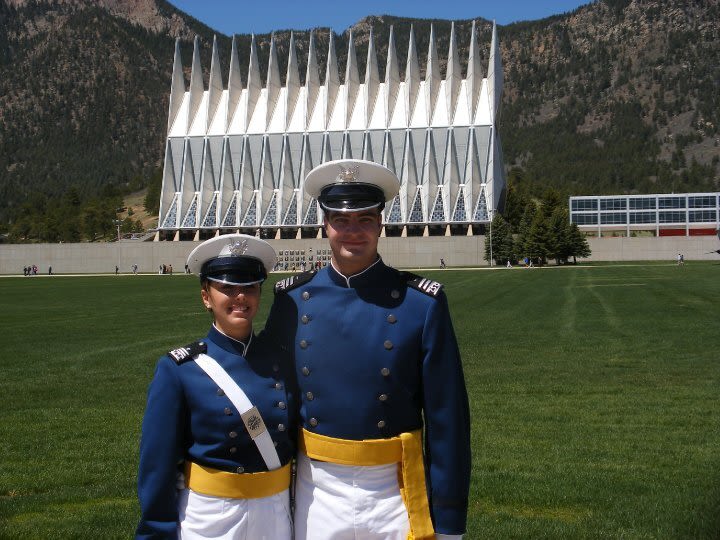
<point>353,238</point>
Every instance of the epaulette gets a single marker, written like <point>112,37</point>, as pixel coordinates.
<point>424,285</point>
<point>184,354</point>
<point>295,281</point>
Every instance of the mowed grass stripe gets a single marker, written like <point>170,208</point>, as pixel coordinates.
<point>593,393</point>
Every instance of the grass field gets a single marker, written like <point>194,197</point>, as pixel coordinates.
<point>594,391</point>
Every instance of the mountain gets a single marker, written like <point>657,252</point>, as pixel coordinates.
<point>615,96</point>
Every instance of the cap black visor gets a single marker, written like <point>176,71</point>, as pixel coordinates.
<point>235,270</point>
<point>353,196</point>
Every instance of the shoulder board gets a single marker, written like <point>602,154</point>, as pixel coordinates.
<point>295,281</point>
<point>424,285</point>
<point>184,354</point>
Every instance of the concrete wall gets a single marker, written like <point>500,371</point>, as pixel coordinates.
<point>400,252</point>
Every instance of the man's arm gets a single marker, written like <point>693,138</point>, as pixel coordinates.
<point>447,422</point>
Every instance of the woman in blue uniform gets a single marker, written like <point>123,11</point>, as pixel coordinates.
<point>217,436</point>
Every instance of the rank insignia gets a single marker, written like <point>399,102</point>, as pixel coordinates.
<point>184,354</point>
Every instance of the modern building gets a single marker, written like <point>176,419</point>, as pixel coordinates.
<point>688,214</point>
<point>237,154</point>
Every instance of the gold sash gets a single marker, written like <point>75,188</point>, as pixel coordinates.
<point>234,485</point>
<point>405,450</point>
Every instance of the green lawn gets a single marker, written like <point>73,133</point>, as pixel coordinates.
<point>595,395</point>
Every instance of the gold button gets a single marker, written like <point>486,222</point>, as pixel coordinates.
<point>385,372</point>
<point>313,422</point>
<point>233,449</point>
<point>303,344</point>
<point>281,404</point>
<point>392,319</point>
<point>305,371</point>
<point>278,386</point>
<point>395,294</point>
<point>310,396</point>
<point>228,411</point>
<point>305,319</point>
<point>281,427</point>
<point>388,345</point>
<point>232,434</point>
<point>240,470</point>
<point>220,392</point>
<point>305,295</point>
<point>381,424</point>
<point>382,397</point>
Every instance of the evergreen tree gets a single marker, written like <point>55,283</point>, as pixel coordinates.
<point>517,198</point>
<point>502,241</point>
<point>536,244</point>
<point>521,240</point>
<point>579,246</point>
<point>559,240</point>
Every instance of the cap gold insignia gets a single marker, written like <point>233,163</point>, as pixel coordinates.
<point>348,175</point>
<point>238,247</point>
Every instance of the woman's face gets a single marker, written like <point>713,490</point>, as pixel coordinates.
<point>233,307</point>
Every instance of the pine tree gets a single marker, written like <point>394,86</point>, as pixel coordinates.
<point>579,246</point>
<point>502,241</point>
<point>559,240</point>
<point>521,240</point>
<point>536,244</point>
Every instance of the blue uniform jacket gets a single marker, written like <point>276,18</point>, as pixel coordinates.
<point>375,354</point>
<point>188,417</point>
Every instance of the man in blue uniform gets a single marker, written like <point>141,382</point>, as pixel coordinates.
<point>384,444</point>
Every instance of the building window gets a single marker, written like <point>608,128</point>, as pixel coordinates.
<point>613,204</point>
<point>584,219</point>
<point>671,202</point>
<point>642,217</point>
<point>394,213</point>
<point>416,212</point>
<point>311,217</point>
<point>291,213</point>
<point>672,217</point>
<point>703,216</point>
<point>583,205</point>
<point>642,203</point>
<point>702,202</point>
<point>438,213</point>
<point>459,214</point>
<point>613,219</point>
<point>250,219</point>
<point>191,215</point>
<point>210,216</point>
<point>271,214</point>
<point>231,215</point>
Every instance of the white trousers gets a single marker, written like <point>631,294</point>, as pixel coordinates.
<point>205,517</point>
<point>343,502</point>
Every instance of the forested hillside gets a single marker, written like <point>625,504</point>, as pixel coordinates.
<point>617,96</point>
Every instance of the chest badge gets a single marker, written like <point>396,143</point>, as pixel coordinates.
<point>253,422</point>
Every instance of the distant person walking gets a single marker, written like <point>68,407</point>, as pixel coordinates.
<point>442,263</point>
<point>117,270</point>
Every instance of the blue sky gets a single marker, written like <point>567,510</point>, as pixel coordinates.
<point>262,16</point>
